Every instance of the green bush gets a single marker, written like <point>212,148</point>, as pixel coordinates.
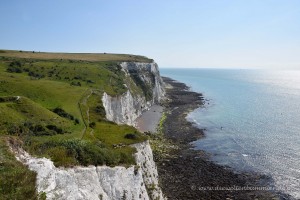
<point>15,67</point>
<point>92,125</point>
<point>61,112</point>
<point>60,157</point>
<point>100,110</point>
<point>76,121</point>
<point>75,151</point>
<point>35,75</point>
<point>130,136</point>
<point>55,128</point>
<point>30,128</point>
<point>75,83</point>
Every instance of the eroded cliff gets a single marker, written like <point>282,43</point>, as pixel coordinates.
<point>145,89</point>
<point>101,182</point>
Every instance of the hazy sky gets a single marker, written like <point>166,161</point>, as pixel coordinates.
<point>175,33</point>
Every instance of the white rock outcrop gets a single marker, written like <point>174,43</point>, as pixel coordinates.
<point>94,183</point>
<point>103,182</point>
<point>144,158</point>
<point>149,74</point>
<point>124,109</point>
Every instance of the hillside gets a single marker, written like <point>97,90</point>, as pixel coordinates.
<point>51,105</point>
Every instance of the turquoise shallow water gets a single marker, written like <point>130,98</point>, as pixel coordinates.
<point>252,120</point>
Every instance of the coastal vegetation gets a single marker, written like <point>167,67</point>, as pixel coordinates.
<point>16,180</point>
<point>51,104</point>
<point>161,146</point>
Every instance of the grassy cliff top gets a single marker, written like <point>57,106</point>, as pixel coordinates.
<point>75,56</point>
<point>50,103</point>
<point>46,102</point>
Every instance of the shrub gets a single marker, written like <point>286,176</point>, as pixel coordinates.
<point>68,152</point>
<point>42,196</point>
<point>35,75</point>
<point>75,83</point>
<point>30,128</point>
<point>15,67</point>
<point>7,99</point>
<point>76,121</point>
<point>55,128</point>
<point>130,136</point>
<point>38,130</point>
<point>90,81</point>
<point>92,125</point>
<point>15,64</point>
<point>60,156</point>
<point>61,112</point>
<point>100,110</point>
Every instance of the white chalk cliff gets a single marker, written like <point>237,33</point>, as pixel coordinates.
<point>124,109</point>
<point>103,182</point>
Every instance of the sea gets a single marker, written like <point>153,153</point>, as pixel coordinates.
<point>251,120</point>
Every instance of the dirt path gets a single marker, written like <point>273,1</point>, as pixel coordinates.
<point>86,120</point>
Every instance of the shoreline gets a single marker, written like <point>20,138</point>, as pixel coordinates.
<point>149,120</point>
<point>189,174</point>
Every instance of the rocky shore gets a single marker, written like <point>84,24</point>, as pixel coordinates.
<point>189,174</point>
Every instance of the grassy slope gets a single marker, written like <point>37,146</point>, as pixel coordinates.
<point>16,180</point>
<point>45,82</point>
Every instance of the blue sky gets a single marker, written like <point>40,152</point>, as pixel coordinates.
<point>175,33</point>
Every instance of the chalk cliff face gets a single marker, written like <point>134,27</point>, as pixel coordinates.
<point>144,158</point>
<point>103,182</point>
<point>106,183</point>
<point>124,109</point>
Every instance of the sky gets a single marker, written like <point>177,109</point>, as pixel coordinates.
<point>175,33</point>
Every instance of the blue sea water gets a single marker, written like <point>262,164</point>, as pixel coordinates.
<point>252,120</point>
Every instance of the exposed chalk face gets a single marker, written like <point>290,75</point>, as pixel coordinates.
<point>124,109</point>
<point>103,182</point>
<point>144,159</point>
<point>149,73</point>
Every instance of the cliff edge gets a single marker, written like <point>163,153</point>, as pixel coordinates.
<point>124,109</point>
<point>143,87</point>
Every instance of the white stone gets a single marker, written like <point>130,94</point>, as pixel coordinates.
<point>124,109</point>
<point>103,182</point>
<point>108,183</point>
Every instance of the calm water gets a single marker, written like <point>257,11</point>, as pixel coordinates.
<point>252,119</point>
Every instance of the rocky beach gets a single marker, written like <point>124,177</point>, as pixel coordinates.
<point>189,174</point>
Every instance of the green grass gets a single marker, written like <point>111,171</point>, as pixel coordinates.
<point>75,56</point>
<point>106,76</point>
<point>16,180</point>
<point>45,82</point>
<point>161,146</point>
<point>33,86</point>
